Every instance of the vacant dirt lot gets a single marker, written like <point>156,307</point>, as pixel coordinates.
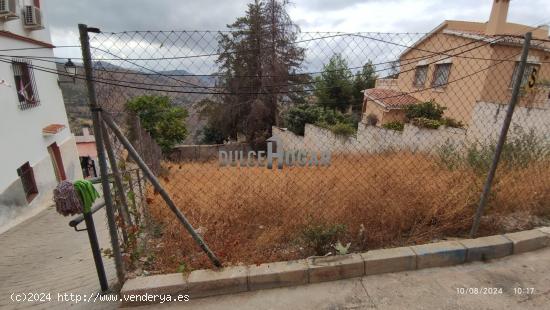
<point>254,215</point>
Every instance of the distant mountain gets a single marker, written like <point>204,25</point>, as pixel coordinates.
<point>205,80</point>
<point>113,98</point>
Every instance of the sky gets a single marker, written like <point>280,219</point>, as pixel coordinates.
<point>311,15</point>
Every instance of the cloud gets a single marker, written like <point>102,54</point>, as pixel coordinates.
<point>144,15</point>
<point>311,15</point>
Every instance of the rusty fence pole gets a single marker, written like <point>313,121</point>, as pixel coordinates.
<point>96,119</point>
<point>117,176</point>
<point>503,134</point>
<point>158,187</point>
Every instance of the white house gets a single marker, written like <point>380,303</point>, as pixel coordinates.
<point>38,149</point>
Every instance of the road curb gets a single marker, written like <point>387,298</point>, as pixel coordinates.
<point>229,280</point>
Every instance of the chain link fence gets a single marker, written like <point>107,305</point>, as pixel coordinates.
<point>325,142</point>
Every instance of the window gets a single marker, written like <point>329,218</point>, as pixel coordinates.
<point>420,76</point>
<point>26,175</point>
<point>57,161</point>
<point>441,74</point>
<point>25,84</point>
<point>528,70</point>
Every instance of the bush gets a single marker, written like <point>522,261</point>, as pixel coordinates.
<point>521,149</point>
<point>430,110</point>
<point>211,135</point>
<point>343,129</point>
<point>449,156</point>
<point>451,122</point>
<point>333,117</point>
<point>372,119</point>
<point>319,238</point>
<point>423,122</point>
<point>395,125</point>
<point>297,117</point>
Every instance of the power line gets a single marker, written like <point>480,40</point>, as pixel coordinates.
<point>145,68</point>
<point>456,80</point>
<point>269,86</point>
<point>237,93</point>
<point>105,81</point>
<point>289,75</point>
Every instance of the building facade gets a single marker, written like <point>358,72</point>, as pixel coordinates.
<point>482,70</point>
<point>38,149</point>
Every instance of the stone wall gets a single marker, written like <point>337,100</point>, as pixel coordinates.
<point>488,118</point>
<point>371,139</point>
<point>484,127</point>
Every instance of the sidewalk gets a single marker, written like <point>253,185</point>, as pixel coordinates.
<point>44,255</point>
<point>423,289</point>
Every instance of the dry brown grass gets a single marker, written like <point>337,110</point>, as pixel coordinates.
<point>253,215</point>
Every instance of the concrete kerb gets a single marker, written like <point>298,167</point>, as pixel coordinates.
<point>229,280</point>
<point>528,240</point>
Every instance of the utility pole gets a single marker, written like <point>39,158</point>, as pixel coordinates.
<point>96,119</point>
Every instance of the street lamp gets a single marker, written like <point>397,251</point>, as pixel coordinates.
<point>71,69</point>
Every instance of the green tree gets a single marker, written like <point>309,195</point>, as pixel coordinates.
<point>363,80</point>
<point>164,122</point>
<point>334,87</point>
<point>297,117</point>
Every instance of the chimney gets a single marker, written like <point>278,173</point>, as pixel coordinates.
<point>497,21</point>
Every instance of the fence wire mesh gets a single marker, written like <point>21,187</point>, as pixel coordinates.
<point>385,138</point>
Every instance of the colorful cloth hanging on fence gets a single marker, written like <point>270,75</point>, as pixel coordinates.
<point>88,194</point>
<point>66,199</point>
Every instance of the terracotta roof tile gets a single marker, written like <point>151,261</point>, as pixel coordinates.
<point>52,129</point>
<point>390,98</point>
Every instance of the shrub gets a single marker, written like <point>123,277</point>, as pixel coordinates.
<point>297,117</point>
<point>211,135</point>
<point>343,130</point>
<point>451,122</point>
<point>372,119</point>
<point>395,125</point>
<point>479,157</point>
<point>449,156</point>
<point>430,110</point>
<point>520,149</point>
<point>320,237</point>
<point>333,117</point>
<point>423,122</point>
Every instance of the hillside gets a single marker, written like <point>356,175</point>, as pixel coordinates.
<point>114,97</point>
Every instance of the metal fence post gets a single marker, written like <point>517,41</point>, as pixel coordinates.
<point>95,109</point>
<point>94,244</point>
<point>503,135</point>
<point>158,187</point>
<point>117,176</point>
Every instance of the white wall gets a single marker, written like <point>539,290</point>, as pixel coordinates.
<point>21,130</point>
<point>16,25</point>
<point>484,127</point>
<point>487,121</point>
<point>372,139</point>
